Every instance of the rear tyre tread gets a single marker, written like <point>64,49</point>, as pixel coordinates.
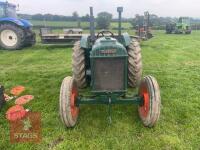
<point>134,64</point>
<point>78,65</point>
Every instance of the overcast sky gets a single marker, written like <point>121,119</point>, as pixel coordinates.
<point>174,8</point>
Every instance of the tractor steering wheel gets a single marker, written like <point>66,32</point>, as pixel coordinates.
<point>102,33</point>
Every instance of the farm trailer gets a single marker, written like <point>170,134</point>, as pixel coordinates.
<point>69,37</point>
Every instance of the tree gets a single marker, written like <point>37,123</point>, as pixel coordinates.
<point>138,20</point>
<point>75,16</point>
<point>85,18</point>
<point>103,20</point>
<point>38,17</point>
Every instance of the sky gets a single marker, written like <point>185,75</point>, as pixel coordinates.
<point>164,8</point>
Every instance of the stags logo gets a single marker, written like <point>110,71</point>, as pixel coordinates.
<point>27,129</point>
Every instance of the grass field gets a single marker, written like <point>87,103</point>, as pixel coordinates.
<point>172,59</point>
<point>68,24</point>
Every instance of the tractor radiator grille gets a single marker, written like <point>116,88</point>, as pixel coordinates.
<point>109,74</point>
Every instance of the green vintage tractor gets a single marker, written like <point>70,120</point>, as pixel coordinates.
<point>182,26</point>
<point>108,63</point>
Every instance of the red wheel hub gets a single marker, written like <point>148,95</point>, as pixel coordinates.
<point>74,108</point>
<point>144,109</point>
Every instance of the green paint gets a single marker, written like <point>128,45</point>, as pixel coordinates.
<point>104,99</point>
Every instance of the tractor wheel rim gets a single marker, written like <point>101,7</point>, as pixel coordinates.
<point>9,38</point>
<point>144,109</point>
<point>74,108</point>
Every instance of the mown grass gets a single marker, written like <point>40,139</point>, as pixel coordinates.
<point>172,59</point>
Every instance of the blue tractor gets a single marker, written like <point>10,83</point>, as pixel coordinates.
<point>15,33</point>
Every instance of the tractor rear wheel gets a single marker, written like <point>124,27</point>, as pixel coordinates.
<point>68,95</point>
<point>30,38</point>
<point>78,65</point>
<point>134,64</point>
<point>149,111</point>
<point>169,29</point>
<point>11,37</point>
<point>188,32</point>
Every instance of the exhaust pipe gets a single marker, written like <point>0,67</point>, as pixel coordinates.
<point>120,10</point>
<point>92,27</point>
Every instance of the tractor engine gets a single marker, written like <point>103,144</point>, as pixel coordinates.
<point>108,66</point>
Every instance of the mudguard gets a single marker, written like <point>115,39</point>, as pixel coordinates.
<point>20,22</point>
<point>126,39</point>
<point>84,41</point>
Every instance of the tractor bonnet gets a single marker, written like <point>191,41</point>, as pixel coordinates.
<point>108,47</point>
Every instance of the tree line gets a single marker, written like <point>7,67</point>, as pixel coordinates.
<point>104,19</point>
<point>51,17</point>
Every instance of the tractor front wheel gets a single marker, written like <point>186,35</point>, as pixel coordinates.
<point>11,37</point>
<point>68,95</point>
<point>149,111</point>
<point>134,64</point>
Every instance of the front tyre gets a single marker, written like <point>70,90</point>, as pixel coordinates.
<point>149,111</point>
<point>11,37</point>
<point>68,95</point>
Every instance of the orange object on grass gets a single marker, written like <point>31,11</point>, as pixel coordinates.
<point>24,99</point>
<point>15,113</point>
<point>17,90</point>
